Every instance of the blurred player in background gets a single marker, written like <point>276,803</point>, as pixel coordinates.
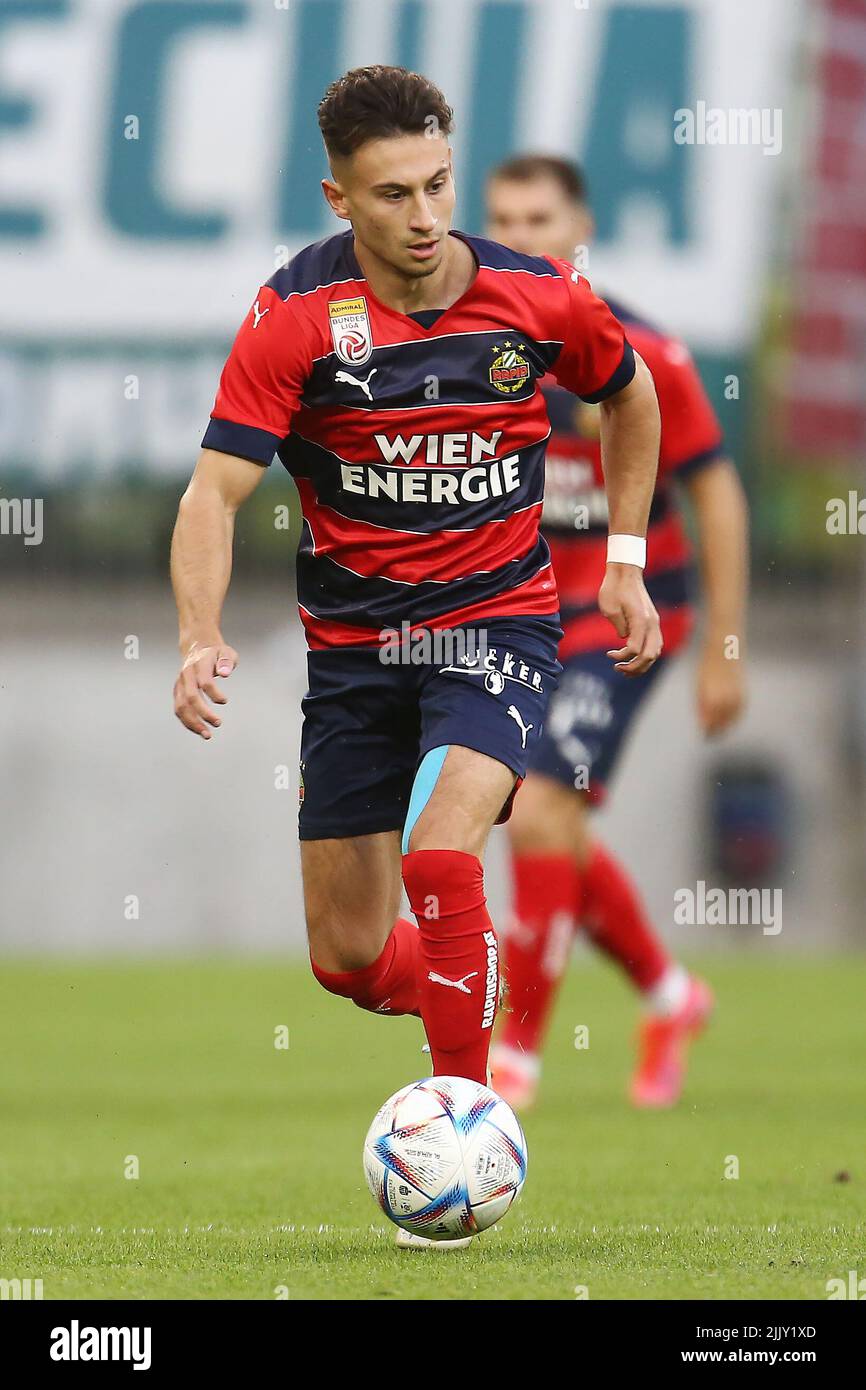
<point>564,877</point>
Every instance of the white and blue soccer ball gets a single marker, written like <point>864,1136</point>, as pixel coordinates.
<point>445,1157</point>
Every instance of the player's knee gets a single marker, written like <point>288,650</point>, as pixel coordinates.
<point>348,982</point>
<point>456,819</point>
<point>335,951</point>
<point>581,830</point>
<point>452,834</point>
<point>544,818</point>
<point>332,980</point>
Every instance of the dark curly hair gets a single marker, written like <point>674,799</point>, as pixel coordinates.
<point>377,101</point>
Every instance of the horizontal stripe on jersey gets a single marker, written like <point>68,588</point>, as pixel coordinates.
<point>534,600</point>
<point>371,551</point>
<point>332,592</point>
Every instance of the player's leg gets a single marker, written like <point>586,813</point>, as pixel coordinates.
<point>562,873</point>
<point>358,752</point>
<point>564,878</point>
<point>359,946</point>
<point>442,871</point>
<point>548,842</point>
<point>675,1005</point>
<point>457,797</point>
<point>479,723</point>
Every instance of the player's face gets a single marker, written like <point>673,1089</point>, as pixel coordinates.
<point>398,194</point>
<point>536,216</point>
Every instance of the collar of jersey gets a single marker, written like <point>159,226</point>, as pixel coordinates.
<point>358,274</point>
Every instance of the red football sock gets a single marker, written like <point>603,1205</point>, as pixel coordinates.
<point>540,933</point>
<point>390,984</point>
<point>616,919</point>
<point>458,976</point>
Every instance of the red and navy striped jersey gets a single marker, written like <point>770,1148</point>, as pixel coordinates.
<point>418,452</point>
<point>574,519</point>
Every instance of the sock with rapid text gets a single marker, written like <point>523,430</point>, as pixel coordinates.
<point>458,976</point>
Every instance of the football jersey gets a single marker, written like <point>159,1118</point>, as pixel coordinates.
<point>574,519</point>
<point>417,447</point>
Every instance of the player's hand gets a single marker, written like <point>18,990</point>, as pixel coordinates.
<point>623,599</point>
<point>721,691</point>
<point>201,669</point>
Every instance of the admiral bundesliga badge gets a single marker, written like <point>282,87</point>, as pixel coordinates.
<point>350,330</point>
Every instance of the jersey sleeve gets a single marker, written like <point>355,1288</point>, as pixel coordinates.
<point>596,359</point>
<point>691,435</point>
<point>261,383</point>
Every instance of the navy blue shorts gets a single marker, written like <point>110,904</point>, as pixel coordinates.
<point>588,719</point>
<point>368,723</point>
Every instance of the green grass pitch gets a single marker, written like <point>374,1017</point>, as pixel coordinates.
<point>249,1156</point>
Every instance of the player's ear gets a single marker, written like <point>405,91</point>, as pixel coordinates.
<point>335,199</point>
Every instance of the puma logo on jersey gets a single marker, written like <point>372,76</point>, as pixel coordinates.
<point>454,984</point>
<point>259,314</point>
<point>354,381</point>
<point>524,728</point>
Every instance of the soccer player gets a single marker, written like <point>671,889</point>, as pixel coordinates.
<point>563,876</point>
<point>394,368</point>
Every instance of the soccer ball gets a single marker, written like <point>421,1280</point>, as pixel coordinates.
<point>445,1157</point>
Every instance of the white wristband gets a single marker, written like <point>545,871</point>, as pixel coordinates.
<point>627,550</point>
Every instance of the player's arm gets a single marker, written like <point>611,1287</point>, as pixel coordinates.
<point>201,566</point>
<point>692,451</point>
<point>259,392</point>
<point>722,520</point>
<point>630,430</point>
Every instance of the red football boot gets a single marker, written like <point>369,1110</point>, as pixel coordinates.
<point>663,1043</point>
